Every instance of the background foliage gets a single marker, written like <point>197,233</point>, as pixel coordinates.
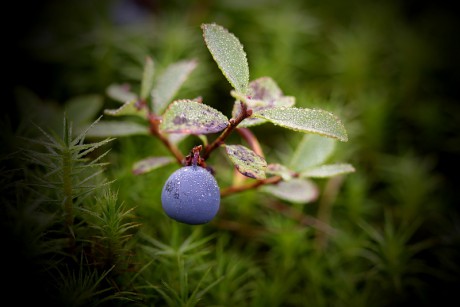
<point>385,235</point>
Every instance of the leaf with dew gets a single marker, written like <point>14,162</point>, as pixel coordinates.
<point>128,108</point>
<point>169,83</point>
<point>117,129</point>
<point>312,150</point>
<point>149,164</point>
<point>192,117</point>
<point>229,55</point>
<point>280,170</point>
<point>120,93</point>
<point>296,190</point>
<point>246,161</point>
<point>328,170</point>
<point>305,120</point>
<point>83,109</point>
<point>263,94</point>
<point>147,78</point>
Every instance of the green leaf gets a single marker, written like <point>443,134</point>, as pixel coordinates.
<point>169,83</point>
<point>263,94</point>
<point>191,117</point>
<point>117,129</point>
<point>229,55</point>
<point>176,138</point>
<point>280,170</point>
<point>328,170</point>
<point>83,109</point>
<point>312,150</point>
<point>305,120</point>
<point>46,114</point>
<point>246,161</point>
<point>128,108</point>
<point>147,78</point>
<point>264,88</point>
<point>296,190</point>
<point>149,164</point>
<point>120,93</point>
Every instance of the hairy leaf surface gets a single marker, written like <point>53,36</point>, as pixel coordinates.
<point>83,109</point>
<point>169,83</point>
<point>147,78</point>
<point>246,161</point>
<point>191,117</point>
<point>280,170</point>
<point>117,128</point>
<point>305,120</point>
<point>229,55</point>
<point>120,93</point>
<point>149,164</point>
<point>263,94</point>
<point>312,150</point>
<point>328,170</point>
<point>296,190</point>
<point>128,108</point>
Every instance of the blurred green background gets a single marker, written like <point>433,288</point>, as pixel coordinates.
<point>389,69</point>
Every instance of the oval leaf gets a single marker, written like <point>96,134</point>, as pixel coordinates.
<point>191,117</point>
<point>246,161</point>
<point>264,88</point>
<point>116,129</point>
<point>120,93</point>
<point>312,150</point>
<point>229,55</point>
<point>176,138</point>
<point>263,94</point>
<point>259,105</point>
<point>128,108</point>
<point>83,109</point>
<point>305,120</point>
<point>147,78</point>
<point>150,164</point>
<point>296,190</point>
<point>169,83</point>
<point>328,170</point>
<point>280,170</point>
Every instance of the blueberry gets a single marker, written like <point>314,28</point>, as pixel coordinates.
<point>191,195</point>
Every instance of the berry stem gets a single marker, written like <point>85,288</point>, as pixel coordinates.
<point>233,123</point>
<point>196,155</point>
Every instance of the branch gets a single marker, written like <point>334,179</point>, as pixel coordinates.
<point>233,123</point>
<point>253,185</point>
<point>155,130</point>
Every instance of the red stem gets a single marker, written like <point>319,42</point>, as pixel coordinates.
<point>155,130</point>
<point>249,186</point>
<point>233,123</point>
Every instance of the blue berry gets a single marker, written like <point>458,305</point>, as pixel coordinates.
<point>191,195</point>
